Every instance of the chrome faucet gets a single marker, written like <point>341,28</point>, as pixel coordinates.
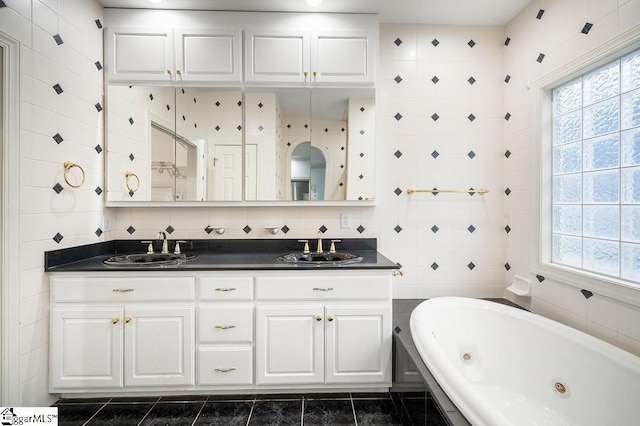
<point>165,246</point>
<point>319,248</point>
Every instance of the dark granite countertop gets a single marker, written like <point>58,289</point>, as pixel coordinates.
<point>214,255</point>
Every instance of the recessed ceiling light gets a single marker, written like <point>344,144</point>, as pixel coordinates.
<point>314,3</point>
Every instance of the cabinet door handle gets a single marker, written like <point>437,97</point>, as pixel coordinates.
<point>306,73</point>
<point>114,320</point>
<point>315,75</point>
<point>318,318</point>
<point>330,318</point>
<point>122,290</point>
<point>225,289</point>
<point>323,288</point>
<point>179,73</point>
<point>225,327</point>
<point>225,369</point>
<point>127,320</point>
<point>169,72</point>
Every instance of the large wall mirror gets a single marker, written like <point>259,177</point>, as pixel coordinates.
<point>168,144</point>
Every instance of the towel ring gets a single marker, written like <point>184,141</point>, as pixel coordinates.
<point>68,165</point>
<point>127,176</point>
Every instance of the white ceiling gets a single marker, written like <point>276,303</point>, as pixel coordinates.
<point>453,12</point>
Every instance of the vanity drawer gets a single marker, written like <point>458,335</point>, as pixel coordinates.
<point>225,288</point>
<point>122,289</point>
<point>319,287</point>
<point>225,324</point>
<point>225,366</point>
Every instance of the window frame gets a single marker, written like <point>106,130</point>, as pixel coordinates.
<point>541,165</point>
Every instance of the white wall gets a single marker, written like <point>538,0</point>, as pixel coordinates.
<point>75,214</point>
<point>558,36</point>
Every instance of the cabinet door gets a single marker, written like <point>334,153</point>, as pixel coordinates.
<point>276,56</point>
<point>139,54</point>
<point>159,346</point>
<point>358,343</point>
<point>342,57</point>
<point>86,348</point>
<point>208,55</point>
<point>289,344</point>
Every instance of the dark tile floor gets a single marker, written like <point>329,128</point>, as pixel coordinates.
<point>295,409</point>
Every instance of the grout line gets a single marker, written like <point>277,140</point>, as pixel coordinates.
<point>96,413</point>
<point>353,409</point>
<point>150,409</point>
<point>302,412</point>
<point>253,404</point>
<point>200,411</point>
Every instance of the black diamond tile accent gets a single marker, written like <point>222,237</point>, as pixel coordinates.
<point>217,128</point>
<point>168,107</point>
<point>540,58</point>
<point>169,229</point>
<point>98,149</point>
<point>507,78</point>
<point>507,266</point>
<point>361,109</point>
<point>288,126</point>
<point>507,116</point>
<point>398,191</point>
<point>471,43</point>
<point>398,228</point>
<point>342,166</point>
<point>398,42</point>
<point>239,103</point>
<point>586,293</point>
<point>246,229</point>
<point>131,193</point>
<point>285,229</point>
<point>507,41</point>
<point>195,100</point>
<point>361,154</point>
<point>398,116</point>
<point>361,177</point>
<point>323,229</point>
<point>342,130</point>
<point>435,79</point>
<point>471,265</point>
<point>151,96</point>
<point>507,229</point>
<point>471,117</point>
<point>260,105</point>
<point>360,229</point>
<point>98,107</point>
<point>434,266</point>
<point>98,190</point>
<point>217,103</point>
<point>507,191</point>
<point>341,184</point>
<point>540,278</point>
<point>184,118</point>
<point>57,238</point>
<point>507,153</point>
<point>58,88</point>
<point>98,23</point>
<point>306,126</point>
<point>397,329</point>
<point>98,232</point>
<point>58,138</point>
<point>587,27</point>
<point>326,130</point>
<point>471,229</point>
<point>58,188</point>
<point>362,132</point>
<point>131,230</point>
<point>182,91</point>
<point>435,154</point>
<point>435,191</point>
<point>208,229</point>
<point>540,13</point>
<point>471,80</point>
<point>398,79</point>
<point>260,128</point>
<point>131,157</point>
<point>471,154</point>
<point>131,120</point>
<point>435,117</point>
<point>288,143</point>
<point>239,127</point>
<point>435,42</point>
<point>58,39</point>
<point>435,229</point>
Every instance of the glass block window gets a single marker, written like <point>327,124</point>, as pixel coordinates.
<point>596,171</point>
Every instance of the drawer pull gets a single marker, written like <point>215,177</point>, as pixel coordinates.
<point>318,318</point>
<point>225,327</point>
<point>114,320</point>
<point>225,370</point>
<point>323,288</point>
<point>127,320</point>
<point>225,289</point>
<point>122,290</point>
<point>330,318</point>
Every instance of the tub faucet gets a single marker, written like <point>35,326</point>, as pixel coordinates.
<point>319,248</point>
<point>165,246</point>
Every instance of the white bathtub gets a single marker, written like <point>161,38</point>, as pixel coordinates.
<point>505,366</point>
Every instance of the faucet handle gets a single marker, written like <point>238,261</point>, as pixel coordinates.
<point>332,248</point>
<point>305,250</point>
<point>149,247</point>
<point>176,249</point>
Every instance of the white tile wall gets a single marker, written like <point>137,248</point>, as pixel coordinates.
<point>557,35</point>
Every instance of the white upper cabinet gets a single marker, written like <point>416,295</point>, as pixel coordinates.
<point>173,55</point>
<point>342,57</point>
<point>276,56</point>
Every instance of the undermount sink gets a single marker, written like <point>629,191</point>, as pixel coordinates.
<point>319,259</point>
<point>148,259</point>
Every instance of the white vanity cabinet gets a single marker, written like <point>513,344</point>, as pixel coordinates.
<point>274,56</point>
<point>167,54</point>
<point>109,332</point>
